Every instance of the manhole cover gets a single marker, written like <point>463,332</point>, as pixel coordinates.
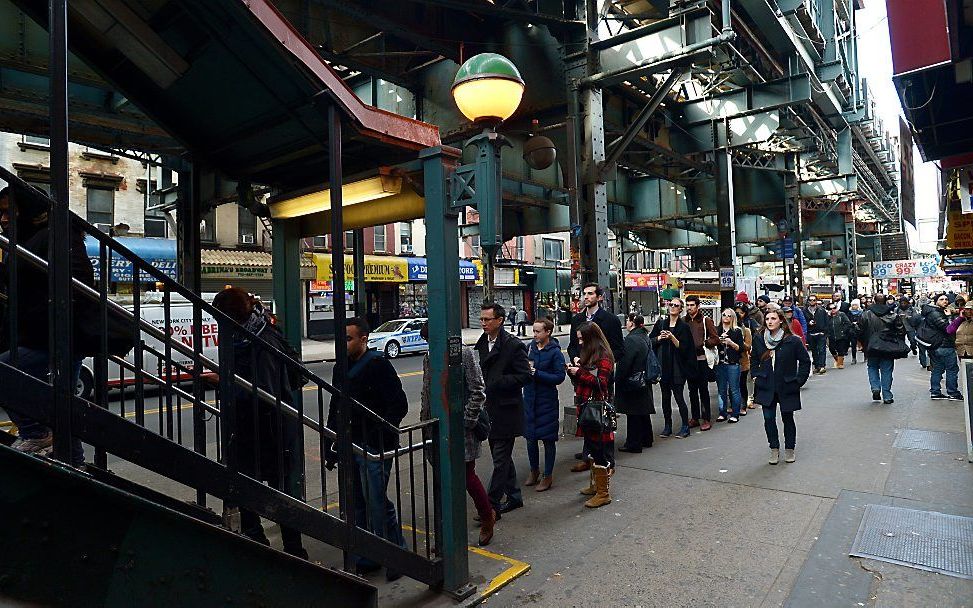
<point>937,441</point>
<point>926,540</point>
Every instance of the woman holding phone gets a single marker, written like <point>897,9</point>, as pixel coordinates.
<point>675,348</point>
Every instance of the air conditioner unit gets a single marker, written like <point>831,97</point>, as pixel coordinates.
<point>246,239</point>
<point>406,248</point>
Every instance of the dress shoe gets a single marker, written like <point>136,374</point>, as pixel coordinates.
<point>509,505</point>
<point>486,529</point>
<point>544,484</point>
<point>705,425</point>
<point>532,479</point>
<point>629,450</point>
<point>496,516</point>
<point>876,395</point>
<point>693,423</point>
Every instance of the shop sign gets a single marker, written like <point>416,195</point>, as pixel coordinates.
<point>230,271</point>
<point>378,269</point>
<point>121,269</point>
<point>898,269</point>
<point>419,270</point>
<point>645,281</point>
<point>959,233</point>
<point>326,286</point>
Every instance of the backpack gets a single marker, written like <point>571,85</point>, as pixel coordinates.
<point>890,341</point>
<point>928,336</point>
<point>653,371</point>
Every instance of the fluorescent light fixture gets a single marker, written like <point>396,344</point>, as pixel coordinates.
<point>370,189</point>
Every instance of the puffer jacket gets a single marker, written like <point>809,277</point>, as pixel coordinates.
<point>839,327</point>
<point>541,405</point>
<point>962,329</point>
<point>935,317</point>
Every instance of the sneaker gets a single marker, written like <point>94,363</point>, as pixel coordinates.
<point>876,395</point>
<point>789,455</point>
<point>732,419</point>
<point>888,401</point>
<point>683,432</point>
<point>35,446</point>
<point>774,456</point>
<point>938,397</point>
<point>743,411</point>
<point>955,398</point>
<point>721,418</point>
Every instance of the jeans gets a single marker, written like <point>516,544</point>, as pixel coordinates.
<point>699,390</point>
<point>533,455</point>
<point>818,344</point>
<point>373,509</point>
<point>923,355</point>
<point>668,390</point>
<point>770,426</point>
<point>474,487</point>
<point>744,389</point>
<point>35,363</point>
<point>944,359</point>
<point>728,387</point>
<point>880,375</point>
<point>638,430</point>
<point>503,481</point>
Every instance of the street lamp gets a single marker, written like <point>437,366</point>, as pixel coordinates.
<point>487,89</point>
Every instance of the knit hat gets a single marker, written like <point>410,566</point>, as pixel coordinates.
<point>743,297</point>
<point>764,297</point>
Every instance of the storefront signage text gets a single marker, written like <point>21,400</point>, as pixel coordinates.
<point>898,269</point>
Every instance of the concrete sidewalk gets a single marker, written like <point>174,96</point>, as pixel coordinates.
<point>316,351</point>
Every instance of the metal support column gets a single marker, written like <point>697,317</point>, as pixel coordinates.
<point>851,256</point>
<point>446,370</point>
<point>595,261</point>
<point>59,247</point>
<point>287,279</point>
<point>358,254</point>
<point>726,235</point>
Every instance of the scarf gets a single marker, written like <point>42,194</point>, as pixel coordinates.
<point>772,340</point>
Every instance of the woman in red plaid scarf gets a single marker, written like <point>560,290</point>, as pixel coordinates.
<point>592,373</point>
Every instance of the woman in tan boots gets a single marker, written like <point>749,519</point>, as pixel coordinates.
<point>592,378</point>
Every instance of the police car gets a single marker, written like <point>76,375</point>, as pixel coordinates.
<point>399,336</point>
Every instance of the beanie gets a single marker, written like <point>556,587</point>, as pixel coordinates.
<point>743,297</point>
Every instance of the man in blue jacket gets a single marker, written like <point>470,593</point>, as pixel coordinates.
<point>798,313</point>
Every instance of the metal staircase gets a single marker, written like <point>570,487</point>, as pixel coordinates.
<point>187,435</point>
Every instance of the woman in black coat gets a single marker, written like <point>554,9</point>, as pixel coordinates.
<point>633,393</point>
<point>780,367</point>
<point>675,348</point>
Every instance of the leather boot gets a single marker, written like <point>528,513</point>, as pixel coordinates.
<point>601,497</point>
<point>840,363</point>
<point>486,528</point>
<point>544,484</point>
<point>581,466</point>
<point>532,478</point>
<point>590,490</point>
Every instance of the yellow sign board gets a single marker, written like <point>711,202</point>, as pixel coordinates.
<point>378,269</point>
<point>959,232</point>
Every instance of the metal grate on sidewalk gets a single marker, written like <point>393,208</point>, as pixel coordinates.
<point>926,540</point>
<point>936,441</point>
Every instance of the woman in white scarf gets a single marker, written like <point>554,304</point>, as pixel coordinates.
<point>780,365</point>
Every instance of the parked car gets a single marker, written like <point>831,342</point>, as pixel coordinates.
<point>399,336</point>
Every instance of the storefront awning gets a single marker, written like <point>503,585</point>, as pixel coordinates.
<point>241,264</point>
<point>160,253</point>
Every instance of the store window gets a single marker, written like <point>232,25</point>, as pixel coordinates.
<point>207,227</point>
<point>519,254</point>
<point>475,244</point>
<point>101,207</point>
<point>379,238</point>
<point>247,224</point>
<point>553,250</point>
<point>319,242</point>
<point>405,237</point>
<point>413,300</point>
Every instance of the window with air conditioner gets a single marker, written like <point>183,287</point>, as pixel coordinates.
<point>553,250</point>
<point>101,207</point>
<point>207,227</point>
<point>405,237</point>
<point>247,223</point>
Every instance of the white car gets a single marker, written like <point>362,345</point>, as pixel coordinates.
<point>399,336</point>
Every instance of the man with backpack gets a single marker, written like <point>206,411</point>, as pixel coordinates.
<point>941,346</point>
<point>883,334</point>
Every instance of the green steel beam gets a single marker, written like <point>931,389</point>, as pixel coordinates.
<point>287,279</point>
<point>748,100</point>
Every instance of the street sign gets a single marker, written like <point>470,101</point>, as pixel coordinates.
<point>787,250</point>
<point>726,278</point>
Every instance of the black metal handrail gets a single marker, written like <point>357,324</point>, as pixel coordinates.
<point>240,406</point>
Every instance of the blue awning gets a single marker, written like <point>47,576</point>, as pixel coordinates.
<point>418,270</point>
<point>160,253</point>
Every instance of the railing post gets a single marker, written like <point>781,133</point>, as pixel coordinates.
<point>446,369</point>
<point>59,226</point>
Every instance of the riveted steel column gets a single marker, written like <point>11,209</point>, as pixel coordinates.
<point>286,267</point>
<point>446,369</point>
<point>851,256</point>
<point>59,249</point>
<point>726,231</point>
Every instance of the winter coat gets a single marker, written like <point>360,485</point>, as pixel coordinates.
<point>610,326</point>
<point>935,317</point>
<point>782,375</point>
<point>817,321</point>
<point>375,384</point>
<point>878,319</point>
<point>855,316</point>
<point>962,329</point>
<point>799,315</point>
<point>703,330</point>
<point>797,330</point>
<point>677,363</point>
<point>732,356</point>
<point>909,317</point>
<point>521,316</point>
<point>745,351</point>
<point>542,409</point>
<point>629,399</point>
<point>839,327</point>
<point>757,317</point>
<point>593,382</point>
<point>258,365</point>
<point>473,399</point>
<point>505,373</point>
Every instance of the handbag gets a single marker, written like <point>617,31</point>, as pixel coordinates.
<point>598,415</point>
<point>712,357</point>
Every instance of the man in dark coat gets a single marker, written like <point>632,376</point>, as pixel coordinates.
<point>880,326</point>
<point>635,399</point>
<point>257,455</point>
<point>373,382</point>
<point>942,349</point>
<point>705,336</point>
<point>592,296</point>
<point>817,337</point>
<point>503,359</point>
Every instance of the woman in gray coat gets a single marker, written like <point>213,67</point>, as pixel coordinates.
<point>635,401</point>
<point>475,397</point>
